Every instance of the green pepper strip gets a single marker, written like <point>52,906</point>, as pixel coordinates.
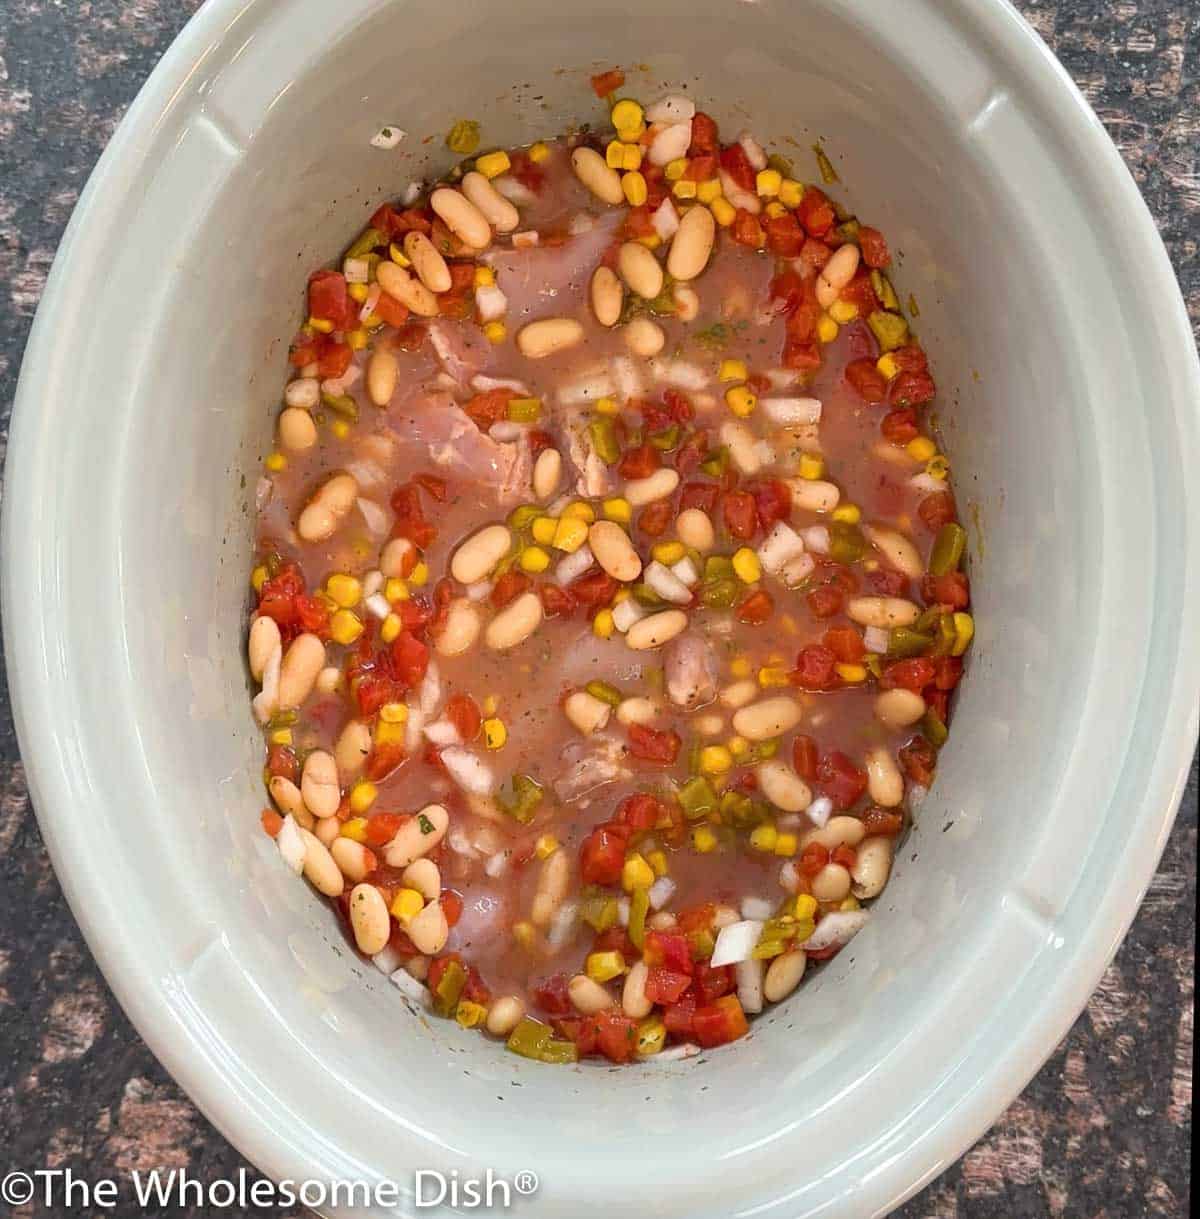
<point>639,907</point>
<point>529,1038</point>
<point>948,549</point>
<point>604,692</point>
<point>449,989</point>
<point>846,543</point>
<point>714,465</point>
<point>667,439</point>
<point>721,595</point>
<point>367,240</point>
<point>903,642</point>
<point>697,798</point>
<point>341,404</point>
<point>604,440</point>
<point>526,796</point>
<point>933,728</point>
<point>889,328</point>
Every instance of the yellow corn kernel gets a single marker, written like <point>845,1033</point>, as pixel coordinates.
<point>419,574</point>
<point>490,704</point>
<point>344,589</point>
<point>614,154</point>
<point>658,861</point>
<point>631,135</point>
<point>495,734</point>
<point>389,734</point>
<point>545,846</point>
<point>357,293</point>
<point>668,553</point>
<point>843,312</point>
<point>851,674</point>
<point>398,256</point>
<point>740,400</point>
<point>738,746</point>
<point>319,323</point>
<point>709,190</point>
<point>580,510</point>
<point>636,873</point>
<point>633,184</point>
<point>811,466</point>
<point>604,966</point>
<point>764,837</point>
<point>390,629</point>
<point>887,365</point>
<point>354,828</point>
<point>406,905</point>
<point>356,339</point>
<point>827,328</point>
<point>569,534</point>
<point>276,462</point>
<point>804,908</point>
<point>767,183</point>
<point>684,189</point>
<point>607,406</point>
<point>622,594</point>
<point>362,796</point>
<point>964,632</point>
<point>626,113</point>
<point>396,590</point>
<point>543,528</point>
<point>746,566</point>
<point>774,210</point>
<point>524,934</point>
<point>675,169</point>
<point>921,448</point>
<point>651,241</point>
<point>469,1014</point>
<point>603,625</point>
<point>258,577</point>
<point>771,676</point>
<point>340,428</point>
<point>790,192</point>
<point>345,627</point>
<point>394,713</point>
<point>704,840</point>
<point>723,211</point>
<point>282,736</point>
<point>534,560</point>
<point>850,903</point>
<point>938,467</point>
<point>651,1036</point>
<point>485,277</point>
<point>493,164</point>
<point>786,845</point>
<point>618,509</point>
<point>633,157</point>
<point>495,332</point>
<point>732,370</point>
<point>740,666</point>
<point>372,321</point>
<point>848,514</point>
<point>538,152</point>
<point>715,760</point>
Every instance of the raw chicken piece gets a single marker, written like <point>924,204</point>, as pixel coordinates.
<point>690,669</point>
<point>594,477</point>
<point>589,765</point>
<point>461,350</point>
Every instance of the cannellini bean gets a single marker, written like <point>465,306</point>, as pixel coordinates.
<point>353,746</point>
<point>643,337</point>
<point>882,611</point>
<point>383,369</point>
<point>586,712</point>
<point>288,798</point>
<point>656,486</point>
<point>319,784</point>
<point>297,432</point>
<point>369,919</point>
<point>553,880</point>
<point>640,270</point>
<point>634,1003</point>
<point>612,549</point>
<point>304,392</point>
<point>884,780</point>
<point>784,974</point>
<point>607,295</point>
<point>899,708</point>
<point>327,830</point>
<point>636,710</point>
<point>836,832</point>
<point>462,217</point>
<point>687,303</point>
<point>836,274</point>
<point>588,997</point>
<point>547,473</point>
<point>428,929</point>
<point>693,244</point>
<point>354,859</point>
<point>394,557</point>
<point>831,883</point>
<point>417,836</point>
<point>323,874</point>
<point>872,866</point>
<point>770,718</point>
<point>896,549</point>
<point>428,263</point>
<point>813,494</point>
<point>547,336</point>
<point>264,640</point>
<point>327,508</point>
<point>504,1015</point>
<point>407,289</point>
<point>656,629</point>
<point>603,181</point>
<point>301,664</point>
<point>477,557</point>
<point>515,623</point>
<point>329,679</point>
<point>783,786</point>
<point>460,630</point>
<point>694,528</point>
<point>495,208</point>
<point>739,694</point>
<point>424,876</point>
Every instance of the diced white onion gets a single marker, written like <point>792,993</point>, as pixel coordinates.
<point>789,877</point>
<point>665,220</point>
<point>304,392</point>
<point>661,892</point>
<point>412,192</point>
<point>429,693</point>
<point>685,570</point>
<point>490,302</point>
<point>372,582</point>
<point>496,864</point>
<point>374,292</point>
<point>505,431</point>
<point>797,570</point>
<point>876,639</point>
<point>408,985</point>
<point>666,583</point>
<point>749,975</point>
<point>387,961</point>
<point>356,270</point>
<point>673,108</point>
<point>682,374</point>
<point>481,384</point>
<point>376,517</point>
<point>816,539</point>
<point>626,613</point>
<point>782,378</point>
<point>736,942</point>
<point>468,770</point>
<point>753,150</point>
<point>782,544</point>
<point>526,239</point>
<point>443,732</point>
<point>627,380</point>
<point>581,222</point>
<point>927,482</point>
<point>290,844</point>
<point>562,927</point>
<point>513,190</point>
<point>820,810</point>
<point>480,590</point>
<point>738,197</point>
<point>458,841</point>
<point>671,143</point>
<point>586,389</point>
<point>387,137</point>
<point>377,606</point>
<point>789,411</point>
<point>623,911</point>
<point>338,385</point>
<point>757,907</point>
<point>676,1053</point>
<point>574,565</point>
<point>916,795</point>
<point>838,927</point>
<point>413,727</point>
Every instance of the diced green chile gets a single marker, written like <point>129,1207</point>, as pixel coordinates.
<point>449,989</point>
<point>604,440</point>
<point>846,542</point>
<point>522,798</point>
<point>904,642</point>
<point>721,595</point>
<point>341,404</point>
<point>948,549</point>
<point>639,907</point>
<point>933,728</point>
<point>604,692</point>
<point>697,798</point>
<point>367,240</point>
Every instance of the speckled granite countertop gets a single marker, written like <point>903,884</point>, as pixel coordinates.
<point>1103,1131</point>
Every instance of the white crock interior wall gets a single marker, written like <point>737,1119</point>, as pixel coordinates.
<point>204,418</point>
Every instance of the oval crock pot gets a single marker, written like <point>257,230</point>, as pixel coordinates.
<point>1069,392</point>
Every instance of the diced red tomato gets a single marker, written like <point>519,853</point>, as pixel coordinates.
<point>606,83</point>
<point>381,828</point>
<point>805,756</point>
<point>654,744</point>
<point>691,453</point>
<point>844,856</point>
<point>641,811</point>
<point>888,582</point>
<point>334,360</point>
<point>463,712</point>
<point>740,514</point>
<point>874,247</point>
<point>802,356</point>
<point>508,588</point>
<point>720,1022</point>
<point>409,658</point>
<point>951,590</point>
<point>556,602</point>
<point>813,858</point>
<point>814,255</point>
<point>391,310</point>
<point>699,495</point>
<point>746,230</point>
<point>392,223</point>
<point>410,519</point>
<point>867,381</point>
<point>937,510</point>
<point>701,167</point>
<point>785,292</point>
<point>601,856</point>
<point>329,300</point>
<point>913,674</point>
<point>654,518</point>
<point>911,389</point>
<point>552,996</point>
<point>899,426</point>
<point>825,600</point>
<point>772,501</point>
<point>696,918</point>
<point>845,643</point>
<point>528,172</point>
<point>489,407</point>
<point>736,164</point>
<point>713,981</point>
<point>677,1018</point>
<point>596,588</point>
<point>667,950</point>
<point>886,821</point>
<point>410,336</point>
<point>860,292</point>
<point>704,135</point>
<point>615,1035</point>
<point>452,906</point>
<point>271,821</point>
<point>383,759</point>
<point>785,237</point>
<point>665,986</point>
<point>948,672</point>
<point>756,609</point>
<point>616,939</point>
<point>284,597</point>
<point>919,760</point>
<point>815,212</point>
<point>815,668</point>
<point>283,763</point>
<point>840,780</point>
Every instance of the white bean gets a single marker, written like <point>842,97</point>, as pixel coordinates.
<point>498,211</point>
<point>327,830</point>
<point>783,786</point>
<point>692,244</point>
<point>264,640</point>
<point>393,558</point>
<point>882,611</point>
<point>872,866</point>
<point>288,798</point>
<point>687,303</point>
<point>694,528</point>
<point>884,781</point>
<point>836,832</point>
<point>407,289</point>
<point>770,718</point>
<point>417,836</point>
<point>603,181</point>
<point>899,708</point>
<point>640,270</point>
<point>588,997</point>
<point>813,494</point>
<point>586,712</point>
<point>319,784</point>
<point>784,974</point>
<point>297,432</point>
<point>369,919</point>
<point>656,629</point>
<point>428,263</point>
<point>353,746</point>
<point>515,623</point>
<point>304,392</point>
<point>896,549</point>
<point>836,274</point>
<point>547,336</point>
<point>504,1015</point>
<point>612,549</point>
<point>298,673</point>
<point>831,883</point>
<point>477,557</point>
<point>327,508</point>
<point>462,217</point>
<point>634,1002</point>
<point>553,882</point>
<point>428,929</point>
<point>424,876</point>
<point>547,473</point>
<point>607,295</point>
<point>636,710</point>
<point>644,337</point>
<point>460,630</point>
<point>354,859</point>
<point>323,874</point>
<point>656,486</point>
<point>739,693</point>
